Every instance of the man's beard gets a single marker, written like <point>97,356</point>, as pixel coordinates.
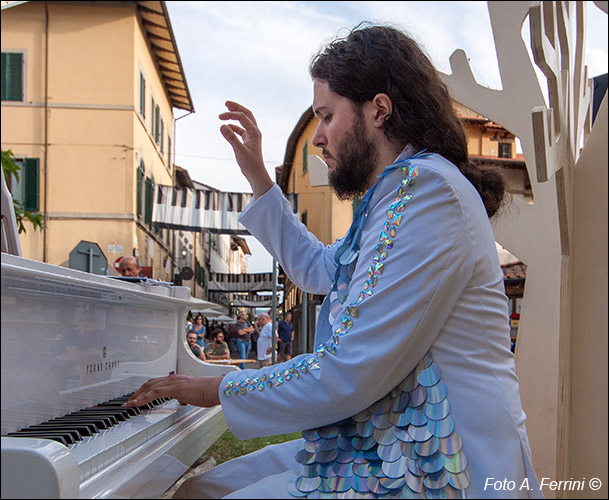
<point>355,159</point>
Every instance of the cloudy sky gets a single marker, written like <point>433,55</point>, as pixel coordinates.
<point>257,53</point>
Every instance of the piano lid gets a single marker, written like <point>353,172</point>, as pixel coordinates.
<point>69,338</point>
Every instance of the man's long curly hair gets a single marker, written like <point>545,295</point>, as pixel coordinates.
<point>375,59</point>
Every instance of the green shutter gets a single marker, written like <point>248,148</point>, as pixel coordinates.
<point>31,185</point>
<point>142,95</point>
<point>149,191</point>
<point>162,136</point>
<point>305,157</point>
<point>152,105</point>
<point>138,194</point>
<point>168,151</point>
<point>157,117</point>
<point>12,76</point>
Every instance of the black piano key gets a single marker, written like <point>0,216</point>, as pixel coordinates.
<point>58,438</point>
<point>75,433</point>
<point>131,410</point>
<point>117,411</point>
<point>100,423</point>
<point>79,421</point>
<point>82,429</point>
<point>109,416</point>
<point>87,421</point>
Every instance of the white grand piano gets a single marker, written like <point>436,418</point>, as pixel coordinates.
<point>73,344</point>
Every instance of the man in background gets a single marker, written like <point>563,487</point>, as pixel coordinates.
<point>285,338</point>
<point>128,267</point>
<point>265,340</point>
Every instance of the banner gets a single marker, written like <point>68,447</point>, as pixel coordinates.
<point>254,282</point>
<point>254,301</point>
<point>199,210</point>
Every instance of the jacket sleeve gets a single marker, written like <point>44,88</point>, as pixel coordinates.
<point>307,262</point>
<point>413,265</point>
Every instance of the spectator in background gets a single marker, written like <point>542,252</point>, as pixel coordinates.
<point>244,337</point>
<point>231,335</point>
<point>199,328</point>
<point>189,322</point>
<point>197,350</point>
<point>265,340</point>
<point>285,337</point>
<point>217,348</point>
<point>129,267</point>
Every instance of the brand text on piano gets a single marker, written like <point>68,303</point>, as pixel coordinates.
<point>103,366</point>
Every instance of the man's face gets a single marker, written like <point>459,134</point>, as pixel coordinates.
<point>191,339</point>
<point>349,152</point>
<point>129,268</point>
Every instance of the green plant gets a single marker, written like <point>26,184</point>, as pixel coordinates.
<point>10,166</point>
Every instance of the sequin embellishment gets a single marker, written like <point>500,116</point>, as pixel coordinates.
<point>403,446</point>
<point>339,293</point>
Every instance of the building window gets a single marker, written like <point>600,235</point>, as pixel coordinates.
<point>142,95</point>
<point>305,157</point>
<point>505,150</point>
<point>12,76</point>
<point>304,218</point>
<point>26,190</point>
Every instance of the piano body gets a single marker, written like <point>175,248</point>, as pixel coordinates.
<point>72,341</point>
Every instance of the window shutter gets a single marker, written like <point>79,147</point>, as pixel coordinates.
<point>12,76</point>
<point>149,191</point>
<point>162,136</point>
<point>157,117</point>
<point>142,95</point>
<point>305,157</point>
<point>152,105</point>
<point>138,194</point>
<point>31,188</point>
<point>168,151</point>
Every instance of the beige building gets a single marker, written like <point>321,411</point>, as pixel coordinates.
<point>88,97</point>
<point>329,218</point>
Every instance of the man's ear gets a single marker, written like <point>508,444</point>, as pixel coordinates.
<point>382,109</point>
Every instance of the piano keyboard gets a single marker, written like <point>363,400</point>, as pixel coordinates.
<point>99,435</point>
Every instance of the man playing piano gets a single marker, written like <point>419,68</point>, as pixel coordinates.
<point>412,390</point>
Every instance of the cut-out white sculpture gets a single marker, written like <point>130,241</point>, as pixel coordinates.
<point>541,234</point>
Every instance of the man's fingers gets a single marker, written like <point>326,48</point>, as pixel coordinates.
<point>151,390</point>
<point>235,106</point>
<point>231,137</point>
<point>248,123</point>
<point>236,129</point>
